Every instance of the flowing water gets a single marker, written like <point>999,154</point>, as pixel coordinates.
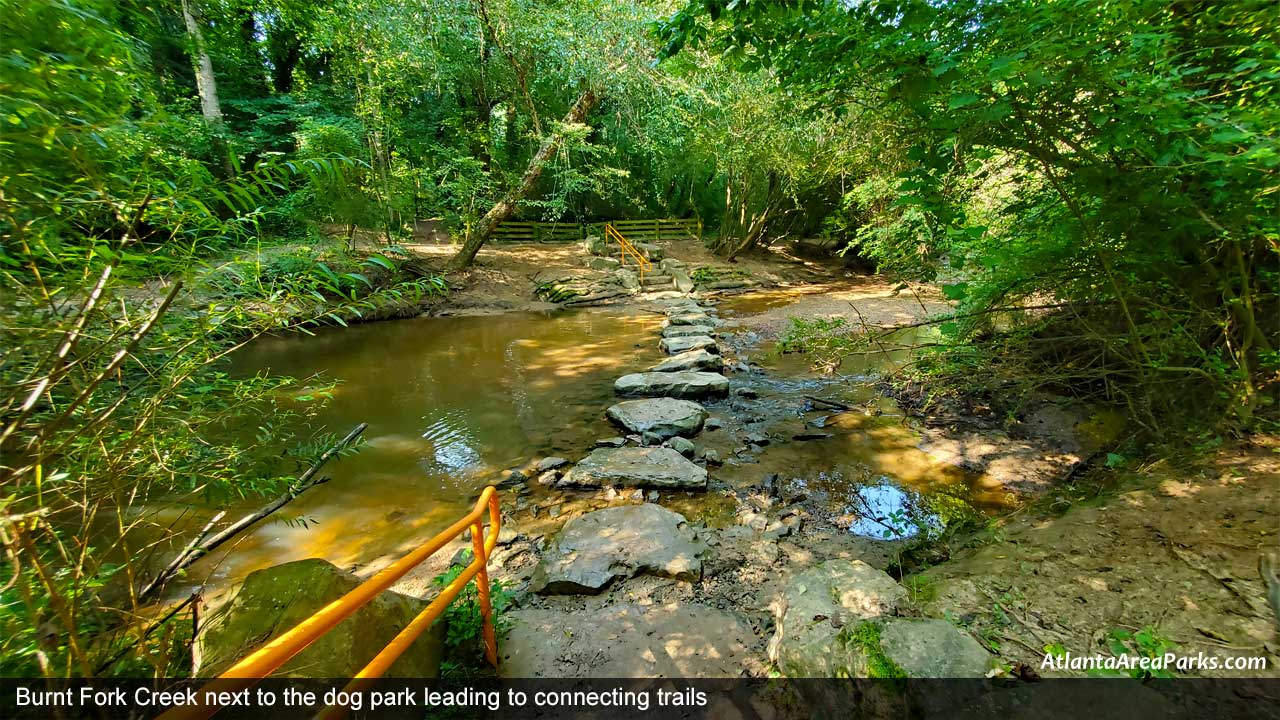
<point>455,402</point>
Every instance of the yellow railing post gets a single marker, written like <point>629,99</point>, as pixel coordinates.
<point>626,248</point>
<point>276,653</point>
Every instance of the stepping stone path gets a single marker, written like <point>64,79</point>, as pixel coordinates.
<point>698,359</point>
<point>679,331</point>
<point>672,384</point>
<point>637,467</point>
<point>693,371</point>
<point>661,417</point>
<point>691,318</point>
<point>675,346</point>
<point>593,549</point>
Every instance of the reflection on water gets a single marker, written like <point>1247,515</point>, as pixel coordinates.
<point>451,403</point>
<point>455,402</point>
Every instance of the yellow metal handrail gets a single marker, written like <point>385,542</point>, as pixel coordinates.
<point>276,653</point>
<point>626,248</point>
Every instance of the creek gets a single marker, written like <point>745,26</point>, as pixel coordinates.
<point>454,403</point>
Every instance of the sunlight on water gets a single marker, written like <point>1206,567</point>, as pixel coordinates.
<point>452,403</point>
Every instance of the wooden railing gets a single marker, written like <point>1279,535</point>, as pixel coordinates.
<point>544,232</point>
<point>637,230</point>
<point>641,231</point>
<point>276,653</point>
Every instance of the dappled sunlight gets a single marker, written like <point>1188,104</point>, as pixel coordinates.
<point>452,403</point>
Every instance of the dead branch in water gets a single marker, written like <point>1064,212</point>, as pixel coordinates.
<point>828,403</point>
<point>197,549</point>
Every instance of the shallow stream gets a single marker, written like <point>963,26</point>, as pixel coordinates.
<point>453,403</point>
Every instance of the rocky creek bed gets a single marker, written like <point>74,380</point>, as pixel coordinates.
<point>753,580</point>
<point>682,546</point>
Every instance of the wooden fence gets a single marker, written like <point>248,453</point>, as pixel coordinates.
<point>633,230</point>
<point>653,230</point>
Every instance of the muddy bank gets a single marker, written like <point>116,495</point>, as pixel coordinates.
<point>1173,546</point>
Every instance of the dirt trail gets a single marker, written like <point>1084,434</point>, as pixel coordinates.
<point>1173,546</point>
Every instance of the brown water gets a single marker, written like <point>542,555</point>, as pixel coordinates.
<point>453,403</point>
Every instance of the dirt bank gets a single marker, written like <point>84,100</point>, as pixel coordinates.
<point>502,277</point>
<point>1174,545</point>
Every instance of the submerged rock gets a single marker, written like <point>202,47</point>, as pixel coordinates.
<point>635,466</point>
<point>659,417</point>
<point>273,600</point>
<point>675,346</point>
<point>672,384</point>
<point>594,549</point>
<point>690,360</point>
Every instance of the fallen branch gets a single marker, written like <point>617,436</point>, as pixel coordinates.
<point>196,551</point>
<point>828,403</point>
<point>178,559</point>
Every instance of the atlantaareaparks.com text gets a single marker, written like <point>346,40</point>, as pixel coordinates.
<point>1167,661</point>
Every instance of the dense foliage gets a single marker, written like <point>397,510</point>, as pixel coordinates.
<point>1117,161</point>
<point>1095,183</point>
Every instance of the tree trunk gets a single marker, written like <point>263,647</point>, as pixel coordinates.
<point>206,84</point>
<point>492,219</point>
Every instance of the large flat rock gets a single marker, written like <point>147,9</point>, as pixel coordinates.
<point>690,360</point>
<point>678,331</point>
<point>675,346</point>
<point>629,641</point>
<point>637,467</point>
<point>689,307</point>
<point>618,542</point>
<point>663,417</point>
<point>691,318</point>
<point>672,384</point>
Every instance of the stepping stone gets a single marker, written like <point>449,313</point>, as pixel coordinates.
<point>636,467</point>
<point>619,542</point>
<point>661,417</point>
<point>636,640</point>
<point>690,360</point>
<point>691,318</point>
<point>672,384</point>
<point>676,331</point>
<point>675,346</point>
